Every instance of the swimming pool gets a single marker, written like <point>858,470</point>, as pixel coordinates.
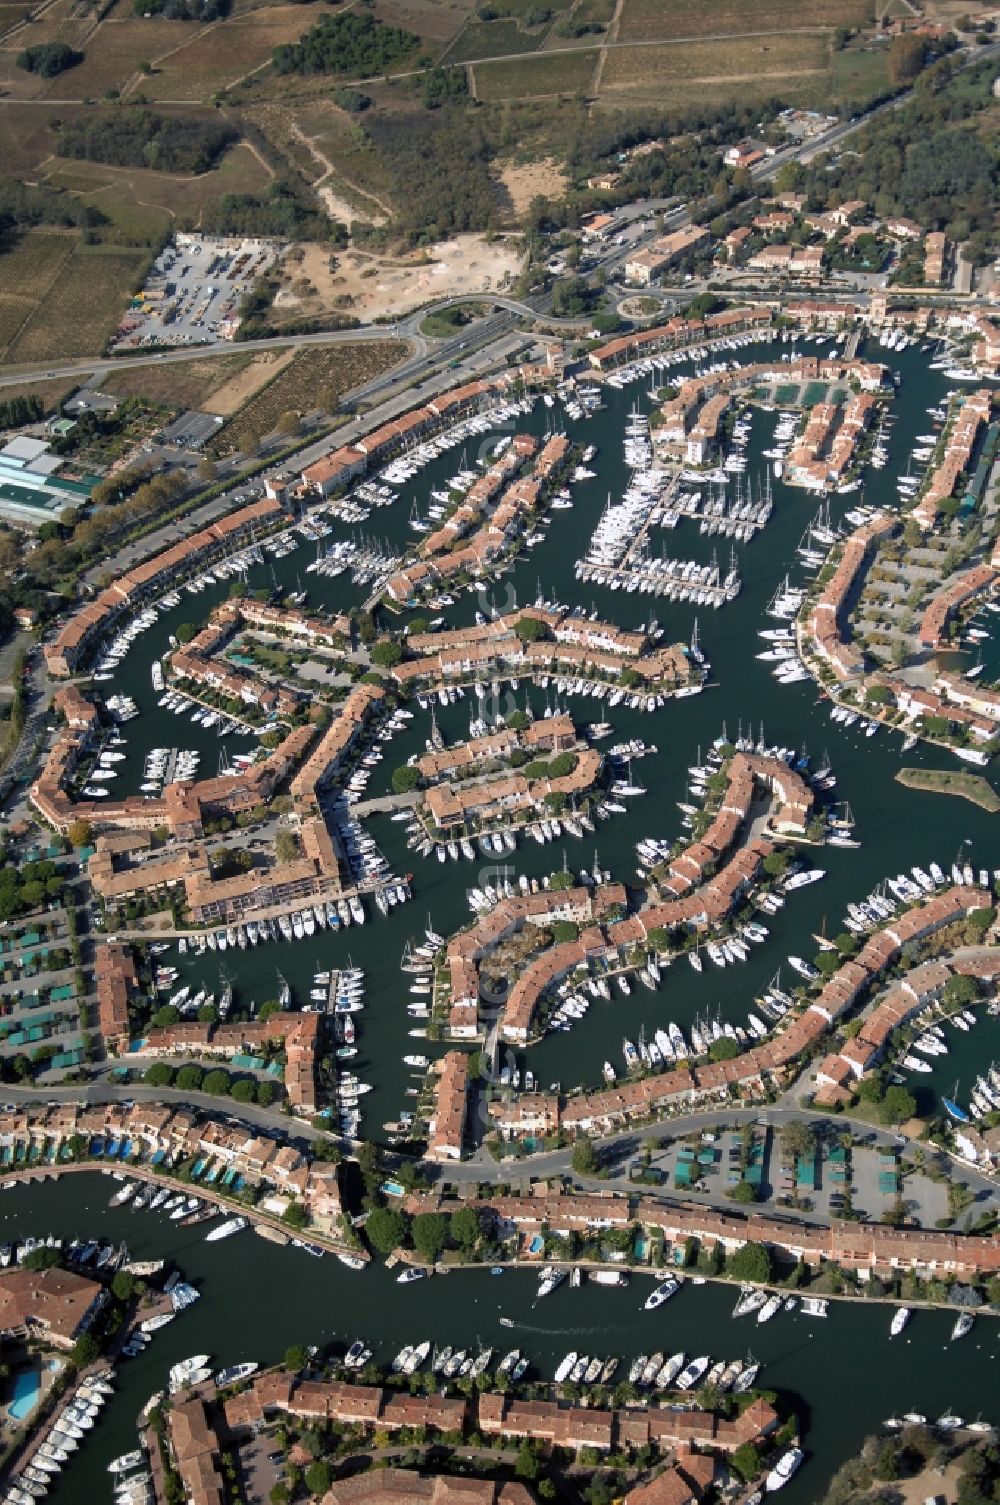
<point>537,1244</point>
<point>393,1189</point>
<point>27,1384</point>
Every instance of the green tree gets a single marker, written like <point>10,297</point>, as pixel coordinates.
<point>386,655</point>
<point>42,1259</point>
<point>317,1477</point>
<point>752,1262</point>
<point>80,833</point>
<point>123,1285</point>
<point>85,1350</point>
<point>295,1215</point>
<point>405,779</point>
<point>386,1229</point>
<point>286,846</point>
<point>897,1106</point>
<point>465,1228</point>
<point>960,991</point>
<point>217,1083</point>
<point>744,1192</point>
<point>585,1162</point>
<point>189,1079</point>
<point>159,1074</point>
<point>531,630</point>
<point>244,1091</point>
<point>296,1357</point>
<point>430,1234</point>
<point>798,1139</point>
<point>746,1461</point>
<point>527,1466</point>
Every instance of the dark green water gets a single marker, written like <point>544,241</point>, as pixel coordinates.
<point>844,1371</point>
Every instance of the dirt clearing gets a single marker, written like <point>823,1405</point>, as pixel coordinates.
<point>372,287</point>
<point>524,181</point>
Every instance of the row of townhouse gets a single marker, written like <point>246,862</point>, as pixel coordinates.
<point>467,949</point>
<point>954,701</point>
<point>116,982</point>
<point>453,806</point>
<point>955,594</point>
<point>869,1248</point>
<point>480,495</point>
<point>855,977</point>
<point>446,1130</point>
<point>125,870</point>
<point>233,683</point>
<point>828,446</point>
<point>196,1452</point>
<point>971,414</point>
<point>789,259</point>
<point>77,637</point>
<point>297,1034</point>
<point>825,626</point>
<point>334,471</point>
<point>701,892</point>
<point>677,334</point>
<point>548,734</point>
<point>374,1407</point>
<point>643,267</point>
<point>986,346</point>
<point>164,1136</point>
<point>615,1107</point>
<point>875,1248</point>
<point>182,807</point>
<point>342,738</point>
<point>664,668</point>
<point>443,555</point>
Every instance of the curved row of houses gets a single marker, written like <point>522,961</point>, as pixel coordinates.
<point>630,1101</point>
<point>698,889</point>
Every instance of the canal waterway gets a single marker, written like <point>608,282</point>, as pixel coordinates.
<point>844,1371</point>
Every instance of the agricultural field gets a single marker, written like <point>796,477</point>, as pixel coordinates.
<point>214,384</point>
<point>564,73</point>
<point>493,39</point>
<point>32,266</point>
<point>49,393</point>
<point>60,21</point>
<point>766,65</point>
<point>334,370</point>
<point>646,20</point>
<point>205,60</point>
<point>600,11</point>
<point>434,20</point>
<point>142,203</point>
<point>10,15</point>
<point>76,312</point>
<point>114,53</point>
<point>859,74</point>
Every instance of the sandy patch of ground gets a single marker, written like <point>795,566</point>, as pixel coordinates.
<point>524,181</point>
<point>930,1484</point>
<point>342,209</point>
<point>233,393</point>
<point>372,287</point>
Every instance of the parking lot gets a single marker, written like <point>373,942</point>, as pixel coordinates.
<point>260,1467</point>
<point>194,289</point>
<point>866,1178</point>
